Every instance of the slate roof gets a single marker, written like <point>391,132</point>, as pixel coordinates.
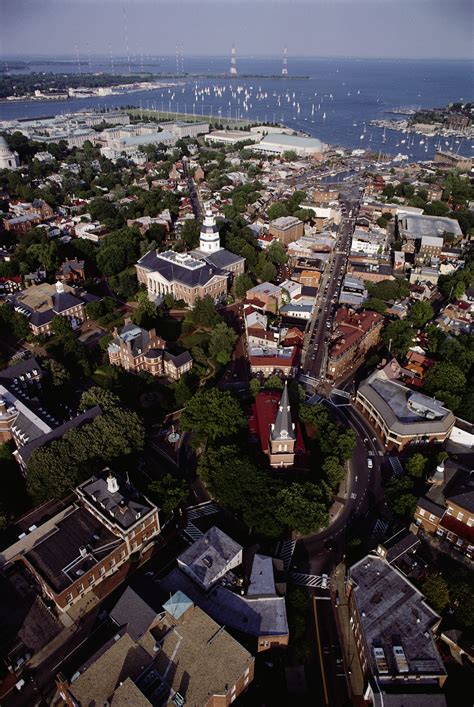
<point>132,611</point>
<point>27,450</point>
<point>172,271</point>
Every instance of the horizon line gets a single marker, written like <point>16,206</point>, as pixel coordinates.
<point>73,57</point>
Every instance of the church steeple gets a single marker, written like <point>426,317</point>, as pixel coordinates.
<point>283,429</point>
<point>209,240</point>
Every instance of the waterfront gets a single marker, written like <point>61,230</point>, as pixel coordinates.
<point>336,103</point>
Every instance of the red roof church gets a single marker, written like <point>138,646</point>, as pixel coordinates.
<point>271,421</point>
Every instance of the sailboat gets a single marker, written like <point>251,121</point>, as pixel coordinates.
<point>384,137</point>
<point>324,116</point>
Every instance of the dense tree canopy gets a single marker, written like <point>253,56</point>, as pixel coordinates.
<point>213,414</point>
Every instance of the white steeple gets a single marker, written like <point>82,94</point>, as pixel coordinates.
<point>209,240</point>
<point>59,287</point>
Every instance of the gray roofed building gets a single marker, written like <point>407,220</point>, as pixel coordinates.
<point>24,453</point>
<point>397,647</point>
<point>134,613</point>
<point>401,415</point>
<point>113,498</point>
<point>77,544</point>
<point>418,225</point>
<point>283,428</point>
<point>210,558</point>
<point>41,303</point>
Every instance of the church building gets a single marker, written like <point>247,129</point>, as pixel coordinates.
<point>272,423</point>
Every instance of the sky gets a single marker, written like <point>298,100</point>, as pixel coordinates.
<point>331,28</point>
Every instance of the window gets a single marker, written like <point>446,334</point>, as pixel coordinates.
<point>123,554</point>
<point>112,562</point>
<point>80,587</point>
<point>459,542</point>
<point>421,511</point>
<point>69,598</point>
<point>102,571</point>
<point>247,672</point>
<point>432,517</point>
<point>470,522</point>
<point>91,579</point>
<point>460,516</point>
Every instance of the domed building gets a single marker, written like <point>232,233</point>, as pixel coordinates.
<point>8,158</point>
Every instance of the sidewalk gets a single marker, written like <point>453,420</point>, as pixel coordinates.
<point>354,676</point>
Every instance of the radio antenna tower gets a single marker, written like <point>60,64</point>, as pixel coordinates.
<point>127,50</point>
<point>111,59</point>
<point>78,59</point>
<point>233,62</point>
<point>284,71</point>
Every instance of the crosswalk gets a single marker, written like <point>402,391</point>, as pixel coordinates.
<point>208,508</point>
<point>285,550</point>
<point>380,527</point>
<point>191,533</point>
<point>396,465</point>
<point>306,580</point>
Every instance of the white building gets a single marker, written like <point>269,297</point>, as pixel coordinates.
<point>231,137</point>
<point>8,158</point>
<point>184,129</point>
<point>277,143</point>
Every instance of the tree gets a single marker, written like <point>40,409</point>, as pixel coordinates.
<point>190,233</point>
<point>444,376</point>
<point>398,336</point>
<point>276,253</point>
<point>156,232</point>
<point>56,468</point>
<point>182,392</point>
<point>276,210</point>
<point>274,382</point>
<point>145,314</point>
<point>416,465</point>
<point>60,326</point>
<point>204,313</point>
<point>421,313</point>
<point>213,414</point>
<point>222,342</point>
<point>58,374</point>
<point>436,592</point>
<point>254,387</point>
<point>168,492</point>
<point>267,273</point>
<point>98,396</point>
<point>242,284</point>
<point>333,471</point>
<point>14,322</point>
<point>300,507</point>
<point>94,310</point>
<point>289,155</point>
<point>124,284</point>
<point>375,305</point>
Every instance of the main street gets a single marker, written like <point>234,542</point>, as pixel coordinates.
<point>317,337</point>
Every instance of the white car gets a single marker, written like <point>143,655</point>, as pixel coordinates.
<point>370,463</point>
<point>324,581</point>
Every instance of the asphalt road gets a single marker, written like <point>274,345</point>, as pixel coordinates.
<point>315,348</point>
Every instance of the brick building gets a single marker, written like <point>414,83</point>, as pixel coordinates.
<point>447,509</point>
<point>206,271</point>
<point>399,415</point>
<point>393,629</point>
<point>175,656</point>
<point>42,303</point>
<point>271,423</point>
<point>355,334</point>
<point>287,229</point>
<point>239,588</point>
<point>91,539</point>
<point>136,349</point>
